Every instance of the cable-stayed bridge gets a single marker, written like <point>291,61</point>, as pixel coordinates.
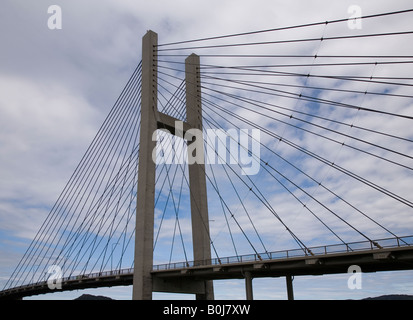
<point>270,153</point>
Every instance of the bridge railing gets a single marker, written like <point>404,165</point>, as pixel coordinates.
<point>111,273</point>
<point>95,275</point>
<point>285,254</point>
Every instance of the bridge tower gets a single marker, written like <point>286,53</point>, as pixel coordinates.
<point>151,120</point>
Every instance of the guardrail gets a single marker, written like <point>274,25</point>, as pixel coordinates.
<point>95,275</point>
<point>285,254</point>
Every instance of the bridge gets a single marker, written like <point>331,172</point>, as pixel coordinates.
<point>188,276</point>
<point>239,167</point>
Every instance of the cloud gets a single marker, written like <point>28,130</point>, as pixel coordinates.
<point>44,130</point>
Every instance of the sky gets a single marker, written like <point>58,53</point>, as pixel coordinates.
<point>57,86</point>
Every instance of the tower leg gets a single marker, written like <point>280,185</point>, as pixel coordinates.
<point>197,181</point>
<point>143,263</point>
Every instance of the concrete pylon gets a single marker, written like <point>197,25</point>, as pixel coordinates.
<point>197,181</point>
<point>151,120</point>
<point>145,207</point>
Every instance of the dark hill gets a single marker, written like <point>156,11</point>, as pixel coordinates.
<point>391,297</point>
<point>92,297</point>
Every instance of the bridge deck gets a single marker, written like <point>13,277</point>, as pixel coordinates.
<point>314,261</point>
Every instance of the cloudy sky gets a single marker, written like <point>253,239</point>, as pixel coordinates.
<point>57,86</point>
